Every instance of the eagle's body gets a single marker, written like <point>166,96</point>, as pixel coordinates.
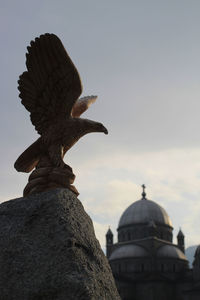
<point>49,90</point>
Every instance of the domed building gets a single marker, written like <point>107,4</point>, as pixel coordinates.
<point>145,262</point>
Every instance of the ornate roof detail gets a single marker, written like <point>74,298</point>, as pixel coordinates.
<point>109,232</point>
<point>152,224</point>
<point>180,233</point>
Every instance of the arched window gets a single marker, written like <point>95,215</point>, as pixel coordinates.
<point>162,268</point>
<point>129,236</point>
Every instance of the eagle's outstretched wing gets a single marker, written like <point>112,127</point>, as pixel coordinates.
<point>81,105</point>
<point>51,85</point>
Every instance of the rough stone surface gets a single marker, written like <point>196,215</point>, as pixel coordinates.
<point>49,251</point>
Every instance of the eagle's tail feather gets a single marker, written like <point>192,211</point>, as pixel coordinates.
<point>28,160</point>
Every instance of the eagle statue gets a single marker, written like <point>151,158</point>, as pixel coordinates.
<point>50,91</point>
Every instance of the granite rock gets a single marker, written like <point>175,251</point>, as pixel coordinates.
<point>49,251</point>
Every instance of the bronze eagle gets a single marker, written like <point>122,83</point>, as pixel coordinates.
<point>49,90</point>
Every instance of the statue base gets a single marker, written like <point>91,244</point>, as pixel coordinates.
<point>49,250</point>
<point>45,177</point>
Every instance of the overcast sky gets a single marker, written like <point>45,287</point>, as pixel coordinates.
<point>142,59</point>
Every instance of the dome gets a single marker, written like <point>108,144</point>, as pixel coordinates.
<point>128,251</point>
<point>170,251</point>
<point>144,211</point>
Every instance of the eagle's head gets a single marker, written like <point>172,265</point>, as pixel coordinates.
<point>99,127</point>
<point>88,126</point>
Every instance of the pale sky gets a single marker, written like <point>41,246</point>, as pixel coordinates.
<point>142,60</point>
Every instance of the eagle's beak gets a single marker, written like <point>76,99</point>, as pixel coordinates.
<point>105,130</point>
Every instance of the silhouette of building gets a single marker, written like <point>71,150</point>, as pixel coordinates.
<point>145,262</point>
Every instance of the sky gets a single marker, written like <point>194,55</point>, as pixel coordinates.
<point>142,59</point>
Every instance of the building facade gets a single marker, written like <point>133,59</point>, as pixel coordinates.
<point>145,262</point>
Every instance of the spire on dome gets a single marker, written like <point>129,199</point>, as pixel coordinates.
<point>143,193</point>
